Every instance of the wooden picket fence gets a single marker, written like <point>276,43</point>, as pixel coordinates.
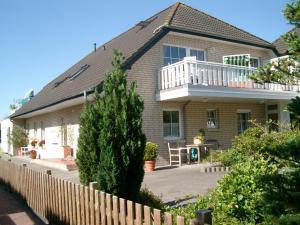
<point>63,202</point>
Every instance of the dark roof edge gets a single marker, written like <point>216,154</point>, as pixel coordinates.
<point>52,104</point>
<point>141,51</point>
<point>192,32</point>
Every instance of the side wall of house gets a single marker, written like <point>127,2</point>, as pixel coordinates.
<point>6,129</point>
<point>145,72</point>
<point>53,124</point>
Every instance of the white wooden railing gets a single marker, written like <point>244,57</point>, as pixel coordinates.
<point>191,71</point>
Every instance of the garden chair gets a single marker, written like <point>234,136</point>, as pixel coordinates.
<point>24,150</point>
<point>178,152</point>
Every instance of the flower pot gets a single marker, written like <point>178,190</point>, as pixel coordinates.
<point>68,151</point>
<point>197,141</point>
<point>33,154</point>
<point>149,165</point>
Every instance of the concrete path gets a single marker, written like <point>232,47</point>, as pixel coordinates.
<point>14,212</point>
<point>171,184</point>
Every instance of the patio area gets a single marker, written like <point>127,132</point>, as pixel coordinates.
<point>172,184</point>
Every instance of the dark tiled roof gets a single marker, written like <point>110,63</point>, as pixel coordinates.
<point>281,46</point>
<point>133,43</point>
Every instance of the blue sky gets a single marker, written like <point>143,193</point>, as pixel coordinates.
<point>41,39</point>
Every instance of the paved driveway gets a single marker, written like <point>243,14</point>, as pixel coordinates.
<point>171,184</point>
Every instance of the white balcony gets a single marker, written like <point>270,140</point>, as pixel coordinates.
<point>190,77</point>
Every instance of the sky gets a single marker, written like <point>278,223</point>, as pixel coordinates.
<point>40,39</point>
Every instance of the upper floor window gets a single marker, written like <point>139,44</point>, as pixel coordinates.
<point>254,62</point>
<point>198,53</point>
<point>173,54</point>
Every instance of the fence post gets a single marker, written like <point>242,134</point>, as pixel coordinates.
<point>93,185</point>
<point>203,217</point>
<point>48,172</point>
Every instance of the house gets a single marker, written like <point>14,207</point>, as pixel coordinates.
<point>6,127</point>
<point>281,46</point>
<point>192,71</point>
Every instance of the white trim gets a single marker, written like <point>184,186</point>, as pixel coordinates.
<point>169,138</point>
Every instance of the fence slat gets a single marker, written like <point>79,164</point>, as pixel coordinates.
<point>168,218</point>
<point>102,208</point>
<point>116,210</point>
<point>87,205</point>
<point>108,209</point>
<point>130,213</point>
<point>97,208</point>
<point>82,214</point>
<point>157,217</point>
<point>122,211</point>
<point>77,200</point>
<point>180,220</point>
<point>74,204</point>
<point>92,206</point>
<point>147,215</point>
<point>138,214</point>
<point>70,206</point>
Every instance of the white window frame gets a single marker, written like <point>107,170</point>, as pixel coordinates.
<point>180,124</point>
<point>258,61</point>
<point>216,118</point>
<point>240,111</point>
<point>187,50</point>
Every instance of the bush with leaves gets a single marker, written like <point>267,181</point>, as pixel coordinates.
<point>88,149</point>
<point>150,151</point>
<point>121,139</point>
<point>19,137</point>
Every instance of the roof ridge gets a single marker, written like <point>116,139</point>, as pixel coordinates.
<point>172,13</point>
<point>280,37</point>
<point>225,22</point>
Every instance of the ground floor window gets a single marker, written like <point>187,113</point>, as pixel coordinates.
<point>243,121</point>
<point>212,118</point>
<point>171,123</point>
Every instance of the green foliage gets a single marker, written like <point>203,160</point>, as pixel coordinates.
<point>215,156</point>
<point>294,109</point>
<point>19,137</point>
<point>263,184</point>
<point>121,139</point>
<point>286,69</point>
<point>88,154</point>
<point>147,197</point>
<point>150,151</point>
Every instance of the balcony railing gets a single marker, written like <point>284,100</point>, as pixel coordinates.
<point>202,73</point>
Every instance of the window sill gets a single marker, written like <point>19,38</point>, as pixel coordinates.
<point>172,138</point>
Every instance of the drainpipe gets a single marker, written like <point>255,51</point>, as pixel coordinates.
<point>84,95</point>
<point>184,118</point>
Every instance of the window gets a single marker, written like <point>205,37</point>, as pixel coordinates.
<point>80,71</point>
<point>243,121</point>
<point>212,119</point>
<point>198,53</point>
<point>171,124</point>
<point>254,62</point>
<point>173,54</point>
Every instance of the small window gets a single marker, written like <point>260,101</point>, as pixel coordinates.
<point>243,121</point>
<point>77,73</point>
<point>171,124</point>
<point>200,55</point>
<point>254,62</point>
<point>173,54</point>
<point>212,119</point>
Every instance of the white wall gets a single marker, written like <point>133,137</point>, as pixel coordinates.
<point>6,145</point>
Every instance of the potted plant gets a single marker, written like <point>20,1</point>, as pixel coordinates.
<point>200,138</point>
<point>150,156</point>
<point>41,143</point>
<point>33,154</point>
<point>33,143</point>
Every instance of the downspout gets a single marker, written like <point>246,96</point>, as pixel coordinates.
<point>184,118</point>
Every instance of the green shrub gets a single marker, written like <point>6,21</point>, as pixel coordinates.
<point>215,156</point>
<point>19,137</point>
<point>150,151</point>
<point>147,197</point>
